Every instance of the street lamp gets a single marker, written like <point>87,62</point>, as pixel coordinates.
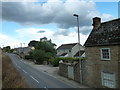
<point>79,46</point>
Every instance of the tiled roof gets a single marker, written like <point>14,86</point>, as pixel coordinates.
<point>66,46</point>
<point>107,34</point>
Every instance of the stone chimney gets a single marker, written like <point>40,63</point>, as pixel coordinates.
<point>96,22</point>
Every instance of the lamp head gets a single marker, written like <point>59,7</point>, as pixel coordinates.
<point>75,15</point>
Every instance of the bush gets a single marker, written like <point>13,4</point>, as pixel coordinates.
<point>56,60</point>
<point>28,57</point>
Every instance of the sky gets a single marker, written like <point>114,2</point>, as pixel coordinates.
<point>25,20</point>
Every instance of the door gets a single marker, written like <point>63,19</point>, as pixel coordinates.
<point>71,72</point>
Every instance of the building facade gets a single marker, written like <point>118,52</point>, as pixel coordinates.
<point>69,50</point>
<point>102,50</point>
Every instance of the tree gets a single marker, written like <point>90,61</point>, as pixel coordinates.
<point>39,56</point>
<point>46,46</point>
<point>6,49</point>
<point>44,50</point>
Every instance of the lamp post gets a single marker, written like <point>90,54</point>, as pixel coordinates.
<point>79,47</point>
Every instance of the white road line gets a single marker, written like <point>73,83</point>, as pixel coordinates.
<point>34,79</point>
<point>24,71</point>
<point>46,88</point>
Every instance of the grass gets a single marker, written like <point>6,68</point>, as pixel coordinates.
<point>11,78</point>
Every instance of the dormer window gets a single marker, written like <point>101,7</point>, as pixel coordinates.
<point>105,53</point>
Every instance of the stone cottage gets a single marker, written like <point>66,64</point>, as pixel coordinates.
<point>70,50</point>
<point>102,50</point>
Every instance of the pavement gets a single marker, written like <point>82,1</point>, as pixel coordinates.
<point>53,71</point>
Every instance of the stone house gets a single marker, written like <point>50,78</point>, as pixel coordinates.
<point>102,49</point>
<point>69,50</point>
<point>22,51</point>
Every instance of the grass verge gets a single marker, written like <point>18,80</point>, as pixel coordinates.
<point>11,78</point>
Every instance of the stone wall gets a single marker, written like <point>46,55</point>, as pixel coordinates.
<point>119,67</point>
<point>94,65</point>
<point>77,72</point>
<point>63,69</point>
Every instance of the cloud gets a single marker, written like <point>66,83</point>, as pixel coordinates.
<point>41,31</point>
<point>28,34</point>
<point>50,12</point>
<point>57,12</point>
<point>63,32</point>
<point>107,17</point>
<point>8,41</point>
<point>85,29</point>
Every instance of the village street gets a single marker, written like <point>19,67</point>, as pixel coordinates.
<point>42,76</point>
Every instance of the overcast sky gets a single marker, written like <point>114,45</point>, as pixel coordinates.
<point>26,21</point>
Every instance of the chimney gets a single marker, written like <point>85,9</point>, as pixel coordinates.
<point>96,22</point>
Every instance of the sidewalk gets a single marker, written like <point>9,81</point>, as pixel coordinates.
<point>53,71</point>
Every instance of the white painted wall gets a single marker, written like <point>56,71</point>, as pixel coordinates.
<point>74,50</point>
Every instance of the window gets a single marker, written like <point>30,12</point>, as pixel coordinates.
<point>108,79</point>
<point>105,53</point>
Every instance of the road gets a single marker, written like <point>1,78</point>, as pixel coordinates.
<point>35,78</point>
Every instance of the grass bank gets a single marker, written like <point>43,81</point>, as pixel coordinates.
<point>11,78</point>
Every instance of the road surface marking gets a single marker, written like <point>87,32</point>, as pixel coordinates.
<point>46,88</point>
<point>24,71</point>
<point>34,79</point>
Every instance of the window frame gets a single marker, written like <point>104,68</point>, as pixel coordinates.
<point>104,80</point>
<point>101,52</point>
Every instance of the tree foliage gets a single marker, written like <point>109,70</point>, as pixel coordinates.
<point>56,60</point>
<point>39,56</point>
<point>44,51</point>
<point>6,49</point>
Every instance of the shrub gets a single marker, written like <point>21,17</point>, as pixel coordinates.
<point>56,60</point>
<point>28,57</point>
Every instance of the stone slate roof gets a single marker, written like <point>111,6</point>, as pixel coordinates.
<point>107,34</point>
<point>66,46</point>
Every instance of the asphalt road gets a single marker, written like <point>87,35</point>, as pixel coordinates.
<point>35,78</point>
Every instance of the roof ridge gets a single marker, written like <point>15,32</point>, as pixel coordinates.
<point>69,43</point>
<point>110,20</point>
